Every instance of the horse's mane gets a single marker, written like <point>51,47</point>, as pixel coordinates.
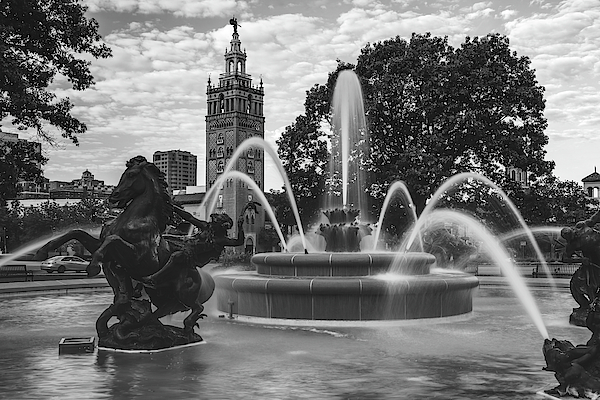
<point>162,189</point>
<point>157,177</point>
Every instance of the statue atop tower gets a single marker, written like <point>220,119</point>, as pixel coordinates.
<point>233,21</point>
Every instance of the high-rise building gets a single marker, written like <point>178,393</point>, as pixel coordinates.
<point>234,114</point>
<point>178,166</point>
<point>28,188</point>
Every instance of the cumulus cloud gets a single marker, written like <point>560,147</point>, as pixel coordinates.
<point>151,94</point>
<point>180,8</point>
<point>508,14</point>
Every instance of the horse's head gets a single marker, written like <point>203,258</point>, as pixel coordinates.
<point>132,184</point>
<point>143,178</point>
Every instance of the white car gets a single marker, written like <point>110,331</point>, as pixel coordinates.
<point>64,263</point>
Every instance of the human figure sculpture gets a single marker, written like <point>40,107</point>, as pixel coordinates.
<point>585,282</point>
<point>201,248</point>
<point>326,230</point>
<point>234,23</point>
<point>576,368</point>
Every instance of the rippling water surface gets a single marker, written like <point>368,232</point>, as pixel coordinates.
<point>495,353</point>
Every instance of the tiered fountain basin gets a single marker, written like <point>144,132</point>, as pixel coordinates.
<point>344,287</point>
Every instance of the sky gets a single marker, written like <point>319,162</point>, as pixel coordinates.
<point>151,95</point>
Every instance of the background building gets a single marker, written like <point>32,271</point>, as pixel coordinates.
<point>235,113</point>
<point>25,188</point>
<point>178,166</point>
<point>85,187</point>
<point>591,185</point>
<point>518,175</point>
<point>62,192</point>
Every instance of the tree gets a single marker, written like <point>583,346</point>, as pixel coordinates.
<point>303,152</point>
<point>550,201</point>
<point>25,224</point>
<point>38,40</point>
<point>434,111</point>
<point>279,202</point>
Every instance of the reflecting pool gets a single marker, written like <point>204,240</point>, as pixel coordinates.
<point>492,353</point>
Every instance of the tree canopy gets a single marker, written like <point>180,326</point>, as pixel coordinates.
<point>25,224</point>
<point>38,40</point>
<point>433,111</point>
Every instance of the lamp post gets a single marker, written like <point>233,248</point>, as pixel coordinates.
<point>4,239</point>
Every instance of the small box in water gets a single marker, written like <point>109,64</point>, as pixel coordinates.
<point>76,345</point>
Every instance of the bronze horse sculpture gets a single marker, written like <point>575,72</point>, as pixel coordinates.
<point>129,249</point>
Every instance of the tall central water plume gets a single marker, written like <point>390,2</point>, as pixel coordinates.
<point>349,144</point>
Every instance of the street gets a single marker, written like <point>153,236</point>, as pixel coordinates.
<point>40,275</point>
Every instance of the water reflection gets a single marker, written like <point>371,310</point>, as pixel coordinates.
<point>494,354</point>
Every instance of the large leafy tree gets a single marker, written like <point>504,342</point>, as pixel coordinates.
<point>38,40</point>
<point>303,152</point>
<point>550,201</point>
<point>435,111</point>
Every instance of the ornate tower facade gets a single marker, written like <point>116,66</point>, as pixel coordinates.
<point>235,113</point>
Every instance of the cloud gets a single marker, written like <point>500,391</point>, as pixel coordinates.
<point>508,14</point>
<point>151,94</point>
<point>179,8</point>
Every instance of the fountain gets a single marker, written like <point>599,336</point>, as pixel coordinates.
<point>343,282</point>
<point>491,353</point>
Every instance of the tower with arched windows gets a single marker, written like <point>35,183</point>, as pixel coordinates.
<point>591,185</point>
<point>235,113</point>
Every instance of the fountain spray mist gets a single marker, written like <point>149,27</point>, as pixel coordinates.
<point>396,187</point>
<point>348,119</point>
<point>245,145</point>
<point>244,178</point>
<point>495,251</point>
<point>463,177</point>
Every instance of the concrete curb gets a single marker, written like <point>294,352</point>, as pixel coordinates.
<point>80,285</point>
<point>59,286</point>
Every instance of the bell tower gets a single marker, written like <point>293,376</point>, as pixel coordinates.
<point>235,113</point>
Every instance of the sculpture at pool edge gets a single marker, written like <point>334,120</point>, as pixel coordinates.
<point>576,368</point>
<point>585,282</point>
<point>132,246</point>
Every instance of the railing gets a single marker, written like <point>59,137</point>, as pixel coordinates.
<point>556,269</point>
<point>532,269</point>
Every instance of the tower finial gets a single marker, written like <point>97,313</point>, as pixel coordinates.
<point>233,21</point>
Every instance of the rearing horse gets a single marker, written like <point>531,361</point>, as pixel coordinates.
<point>132,247</point>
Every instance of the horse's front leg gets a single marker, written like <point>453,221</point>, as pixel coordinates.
<point>88,241</point>
<point>119,250</point>
<point>122,289</point>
